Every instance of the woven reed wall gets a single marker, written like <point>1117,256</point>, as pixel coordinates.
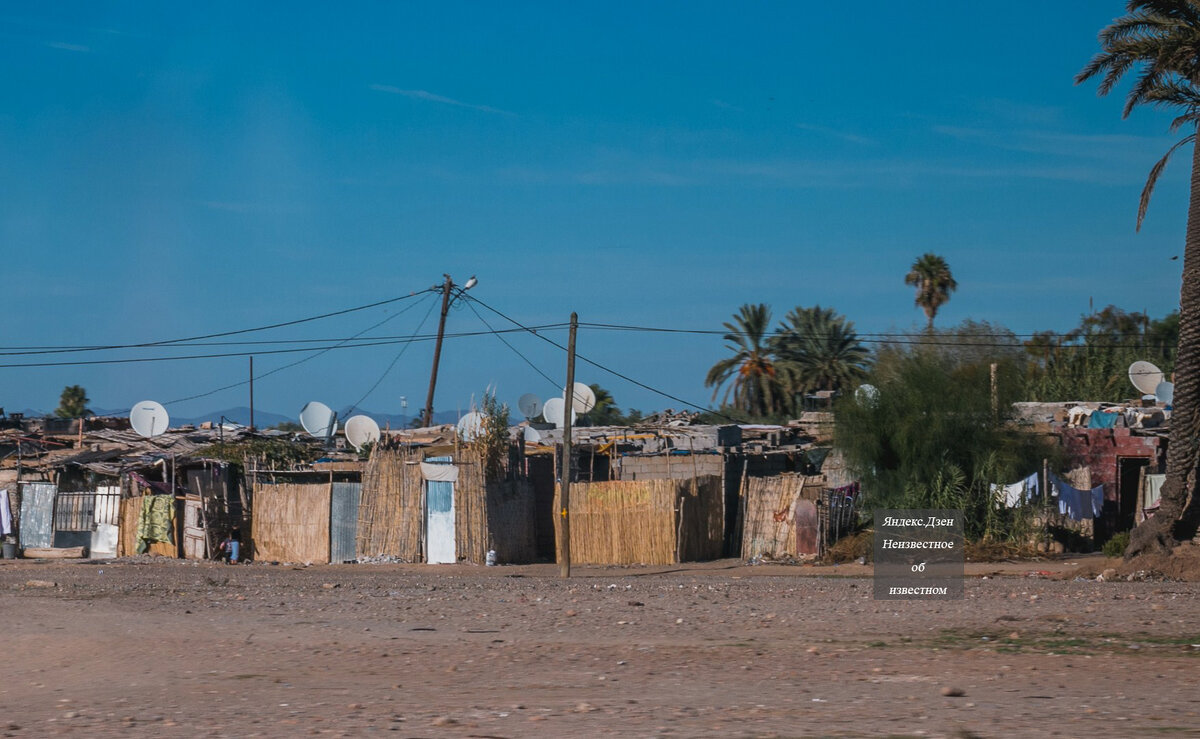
<point>645,521</point>
<point>701,526</point>
<point>390,514</point>
<point>291,522</point>
<point>497,515</point>
<point>770,514</point>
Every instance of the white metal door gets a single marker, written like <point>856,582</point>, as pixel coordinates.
<point>439,520</point>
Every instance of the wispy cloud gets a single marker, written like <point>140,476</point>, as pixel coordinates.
<point>1019,112</point>
<point>1102,146</point>
<point>68,47</point>
<point>836,133</point>
<point>430,97</point>
<point>808,174</point>
<point>726,106</point>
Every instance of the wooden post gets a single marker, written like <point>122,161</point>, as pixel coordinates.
<point>437,350</point>
<point>1046,503</point>
<point>995,396</point>
<point>564,564</point>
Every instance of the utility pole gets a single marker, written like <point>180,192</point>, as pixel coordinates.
<point>437,351</point>
<point>564,564</point>
<point>251,394</point>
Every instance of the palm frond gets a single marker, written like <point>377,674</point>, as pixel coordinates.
<point>1152,179</point>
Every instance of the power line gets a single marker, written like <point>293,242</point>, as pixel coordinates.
<point>314,355</point>
<point>890,338</point>
<point>510,346</point>
<point>332,340</point>
<point>395,359</point>
<point>609,370</point>
<point>168,342</point>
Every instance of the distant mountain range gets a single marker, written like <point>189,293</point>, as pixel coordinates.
<point>262,418</point>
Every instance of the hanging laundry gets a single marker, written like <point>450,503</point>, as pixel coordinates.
<point>1078,416</point>
<point>1152,494</point>
<point>1018,493</point>
<point>1103,420</point>
<point>5,513</point>
<point>156,521</point>
<point>1078,505</point>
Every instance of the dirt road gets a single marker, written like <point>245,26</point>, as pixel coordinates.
<point>172,648</point>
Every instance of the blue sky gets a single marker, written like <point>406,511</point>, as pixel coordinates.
<point>174,169</point>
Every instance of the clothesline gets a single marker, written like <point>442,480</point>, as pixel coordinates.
<point>1076,504</point>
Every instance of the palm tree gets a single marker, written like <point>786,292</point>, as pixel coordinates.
<point>72,403</point>
<point>756,385</point>
<point>931,276</point>
<point>605,412</point>
<point>821,349</point>
<point>1161,40</point>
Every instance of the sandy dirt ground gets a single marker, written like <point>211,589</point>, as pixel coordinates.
<point>171,648</point>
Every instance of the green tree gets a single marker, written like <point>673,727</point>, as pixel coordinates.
<point>72,403</point>
<point>493,437</point>
<point>605,412</point>
<point>750,376</point>
<point>821,349</point>
<point>1091,361</point>
<point>1160,39</point>
<point>931,276</point>
<point>931,437</point>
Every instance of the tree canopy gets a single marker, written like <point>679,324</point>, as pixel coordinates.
<point>72,403</point>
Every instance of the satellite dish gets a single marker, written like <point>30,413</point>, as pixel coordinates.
<point>470,426</point>
<point>318,419</point>
<point>866,393</point>
<point>532,435</point>
<point>584,399</point>
<point>149,418</point>
<point>361,430</point>
<point>1145,376</point>
<point>1165,392</point>
<point>530,405</point>
<point>552,411</point>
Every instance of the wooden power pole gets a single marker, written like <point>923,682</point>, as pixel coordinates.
<point>251,395</point>
<point>564,563</point>
<point>437,352</point>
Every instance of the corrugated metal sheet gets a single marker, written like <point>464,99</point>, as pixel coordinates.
<point>343,520</point>
<point>37,514</point>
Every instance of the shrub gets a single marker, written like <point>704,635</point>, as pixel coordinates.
<point>1116,546</point>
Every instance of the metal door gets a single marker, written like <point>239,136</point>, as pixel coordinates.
<point>439,519</point>
<point>37,514</point>
<point>343,521</point>
<point>194,544</point>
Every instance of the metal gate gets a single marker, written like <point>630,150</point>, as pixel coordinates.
<point>343,521</point>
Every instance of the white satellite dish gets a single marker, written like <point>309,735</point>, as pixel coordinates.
<point>583,399</point>
<point>1165,392</point>
<point>470,426</point>
<point>318,419</point>
<point>866,393</point>
<point>1145,376</point>
<point>552,411</point>
<point>361,430</point>
<point>149,418</point>
<point>530,405</point>
<point>532,435</point>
